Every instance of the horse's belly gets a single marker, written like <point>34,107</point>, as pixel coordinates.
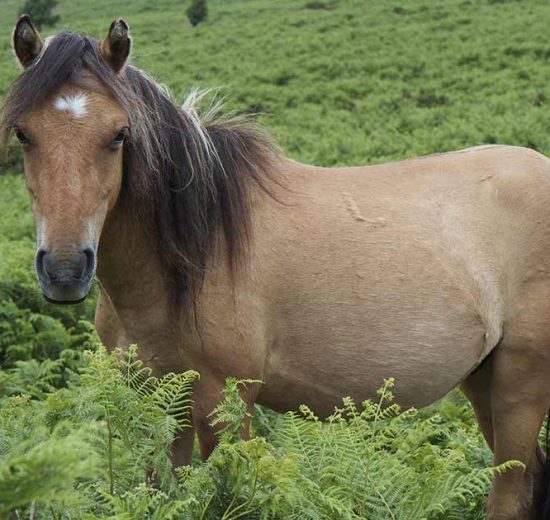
<point>320,378</point>
<point>326,352</point>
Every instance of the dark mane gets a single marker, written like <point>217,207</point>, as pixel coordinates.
<point>191,177</point>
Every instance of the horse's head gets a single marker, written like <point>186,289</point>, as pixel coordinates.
<point>108,151</point>
<point>73,144</point>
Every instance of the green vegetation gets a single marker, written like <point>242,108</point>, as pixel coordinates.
<point>336,83</point>
<point>197,12</point>
<point>82,452</point>
<point>41,12</point>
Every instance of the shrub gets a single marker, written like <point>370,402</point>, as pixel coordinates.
<point>83,452</point>
<point>41,12</point>
<point>318,5</point>
<point>315,5</point>
<point>197,12</point>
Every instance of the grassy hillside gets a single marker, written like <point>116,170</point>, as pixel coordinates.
<point>337,82</point>
<point>359,81</point>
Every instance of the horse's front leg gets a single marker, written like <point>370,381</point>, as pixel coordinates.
<point>113,334</point>
<point>181,452</point>
<point>207,395</point>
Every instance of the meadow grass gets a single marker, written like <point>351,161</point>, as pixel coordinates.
<point>356,82</point>
<point>336,82</point>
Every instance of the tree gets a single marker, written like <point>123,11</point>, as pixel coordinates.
<point>41,12</point>
<point>197,11</point>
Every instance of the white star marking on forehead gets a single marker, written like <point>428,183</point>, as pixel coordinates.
<point>75,104</point>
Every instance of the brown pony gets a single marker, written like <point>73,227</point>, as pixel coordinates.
<point>216,253</point>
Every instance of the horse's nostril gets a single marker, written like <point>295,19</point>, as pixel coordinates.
<point>40,262</point>
<point>89,262</point>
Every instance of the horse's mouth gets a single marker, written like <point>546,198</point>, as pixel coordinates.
<point>66,293</point>
<point>64,302</point>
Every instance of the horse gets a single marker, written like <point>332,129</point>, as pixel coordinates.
<point>215,252</point>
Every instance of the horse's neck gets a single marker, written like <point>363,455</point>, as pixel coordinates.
<point>128,268</point>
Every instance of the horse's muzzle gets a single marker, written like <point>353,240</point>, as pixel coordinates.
<point>65,276</point>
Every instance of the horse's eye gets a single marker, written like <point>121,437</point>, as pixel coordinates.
<point>119,139</point>
<point>22,138</point>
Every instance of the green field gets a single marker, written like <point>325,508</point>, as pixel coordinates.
<point>336,82</point>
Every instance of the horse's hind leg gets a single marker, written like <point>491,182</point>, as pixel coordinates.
<point>477,387</point>
<point>520,394</point>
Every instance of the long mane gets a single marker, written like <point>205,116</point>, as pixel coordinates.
<point>190,177</point>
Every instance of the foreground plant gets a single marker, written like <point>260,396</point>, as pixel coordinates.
<point>86,451</point>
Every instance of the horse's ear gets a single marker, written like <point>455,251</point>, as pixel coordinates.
<point>116,45</point>
<point>27,42</point>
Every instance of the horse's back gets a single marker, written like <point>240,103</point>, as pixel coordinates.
<point>406,269</point>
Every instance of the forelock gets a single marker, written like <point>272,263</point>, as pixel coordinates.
<point>72,59</point>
